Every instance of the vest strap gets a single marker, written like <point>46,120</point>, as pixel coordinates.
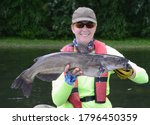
<point>75,89</point>
<point>101,79</point>
<point>87,98</point>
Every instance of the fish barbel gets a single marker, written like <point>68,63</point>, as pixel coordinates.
<point>48,65</point>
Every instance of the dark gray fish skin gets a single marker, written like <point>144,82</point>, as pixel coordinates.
<point>91,64</point>
<point>82,48</point>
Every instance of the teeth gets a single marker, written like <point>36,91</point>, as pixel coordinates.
<point>84,34</point>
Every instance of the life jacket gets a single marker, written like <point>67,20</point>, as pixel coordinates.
<point>99,82</point>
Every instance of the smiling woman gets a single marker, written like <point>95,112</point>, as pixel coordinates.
<point>72,89</point>
<point>84,24</point>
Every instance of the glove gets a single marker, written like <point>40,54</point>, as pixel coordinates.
<point>70,79</point>
<point>123,73</point>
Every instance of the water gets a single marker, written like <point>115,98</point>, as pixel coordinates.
<point>124,93</point>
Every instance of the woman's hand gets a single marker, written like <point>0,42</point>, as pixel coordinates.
<point>71,74</point>
<point>73,71</point>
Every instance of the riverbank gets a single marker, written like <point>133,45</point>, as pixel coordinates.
<point>131,43</point>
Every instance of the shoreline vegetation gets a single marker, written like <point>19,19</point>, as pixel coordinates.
<point>17,43</point>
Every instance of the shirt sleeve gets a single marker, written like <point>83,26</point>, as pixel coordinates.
<point>60,90</point>
<point>139,76</point>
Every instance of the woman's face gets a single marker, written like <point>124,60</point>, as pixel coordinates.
<point>84,31</point>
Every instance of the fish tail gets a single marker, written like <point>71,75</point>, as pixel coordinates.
<point>22,83</point>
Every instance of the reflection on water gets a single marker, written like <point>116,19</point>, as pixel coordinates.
<point>124,93</point>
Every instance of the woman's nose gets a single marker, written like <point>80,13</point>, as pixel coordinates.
<point>84,28</point>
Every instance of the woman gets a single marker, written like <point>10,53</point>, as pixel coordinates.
<point>73,90</point>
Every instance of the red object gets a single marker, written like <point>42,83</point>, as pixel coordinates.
<point>100,92</point>
<point>75,100</point>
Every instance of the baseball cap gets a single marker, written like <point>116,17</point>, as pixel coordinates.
<point>84,14</point>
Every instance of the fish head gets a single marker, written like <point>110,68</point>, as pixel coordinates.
<point>127,66</point>
<point>112,62</point>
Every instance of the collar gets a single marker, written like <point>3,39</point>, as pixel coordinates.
<point>90,46</point>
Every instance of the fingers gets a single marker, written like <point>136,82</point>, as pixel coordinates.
<point>77,72</point>
<point>74,71</point>
<point>67,68</point>
<point>123,73</point>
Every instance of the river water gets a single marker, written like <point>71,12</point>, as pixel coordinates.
<point>124,93</point>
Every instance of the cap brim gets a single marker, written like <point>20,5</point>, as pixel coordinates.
<point>83,19</point>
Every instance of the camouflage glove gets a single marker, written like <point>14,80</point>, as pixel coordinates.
<point>71,74</point>
<point>123,73</point>
<point>70,79</point>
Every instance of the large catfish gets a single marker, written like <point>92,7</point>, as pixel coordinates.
<point>47,66</point>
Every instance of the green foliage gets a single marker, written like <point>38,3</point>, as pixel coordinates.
<point>113,23</point>
<point>52,18</point>
<point>22,18</point>
<point>34,32</point>
<point>137,15</point>
<point>59,17</point>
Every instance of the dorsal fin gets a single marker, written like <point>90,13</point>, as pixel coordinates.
<point>36,59</point>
